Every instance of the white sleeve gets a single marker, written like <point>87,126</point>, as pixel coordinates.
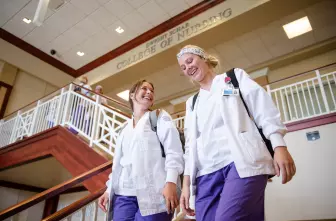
<point>262,108</point>
<point>186,136</point>
<point>170,139</point>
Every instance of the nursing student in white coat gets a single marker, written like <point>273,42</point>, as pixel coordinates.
<point>226,160</point>
<point>143,183</point>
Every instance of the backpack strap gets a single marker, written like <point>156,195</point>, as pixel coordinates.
<point>153,119</point>
<point>235,83</point>
<point>231,74</point>
<point>194,101</point>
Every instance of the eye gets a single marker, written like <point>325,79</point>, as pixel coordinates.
<point>183,67</point>
<point>189,60</point>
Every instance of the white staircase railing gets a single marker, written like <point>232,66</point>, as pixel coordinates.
<point>312,94</point>
<point>96,122</point>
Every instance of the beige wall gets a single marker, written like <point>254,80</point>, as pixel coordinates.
<point>38,68</point>
<point>312,193</point>
<point>10,197</point>
<point>26,89</point>
<point>302,66</point>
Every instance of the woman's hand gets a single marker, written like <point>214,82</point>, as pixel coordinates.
<point>185,196</point>
<point>170,194</point>
<point>284,163</point>
<point>103,200</point>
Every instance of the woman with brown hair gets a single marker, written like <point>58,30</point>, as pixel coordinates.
<point>144,181</point>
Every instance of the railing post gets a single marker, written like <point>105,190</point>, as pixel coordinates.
<point>324,97</point>
<point>59,108</point>
<point>13,138</point>
<point>66,106</point>
<point>32,127</point>
<point>94,121</point>
<point>269,90</point>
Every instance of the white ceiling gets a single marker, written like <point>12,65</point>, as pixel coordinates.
<point>245,51</point>
<point>87,25</point>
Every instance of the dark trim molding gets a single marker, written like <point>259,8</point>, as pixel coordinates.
<point>312,122</point>
<point>36,189</point>
<point>163,27</point>
<point>20,186</point>
<point>18,42</point>
<point>50,206</point>
<point>6,98</point>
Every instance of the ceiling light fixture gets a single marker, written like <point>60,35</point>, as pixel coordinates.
<point>119,30</point>
<point>79,53</point>
<point>124,95</point>
<point>26,20</point>
<point>297,27</point>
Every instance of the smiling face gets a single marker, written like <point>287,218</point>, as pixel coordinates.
<point>143,96</point>
<point>193,66</point>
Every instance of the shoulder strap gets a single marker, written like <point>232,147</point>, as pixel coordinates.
<point>194,101</point>
<point>153,118</point>
<point>235,83</point>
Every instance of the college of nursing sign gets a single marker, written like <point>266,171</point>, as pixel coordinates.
<point>194,26</point>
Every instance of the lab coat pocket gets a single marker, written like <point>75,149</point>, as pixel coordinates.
<point>254,146</point>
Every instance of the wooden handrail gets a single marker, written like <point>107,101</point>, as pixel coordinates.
<point>53,191</point>
<point>67,211</point>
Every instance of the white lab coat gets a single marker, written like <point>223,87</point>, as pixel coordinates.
<point>150,171</point>
<point>248,151</point>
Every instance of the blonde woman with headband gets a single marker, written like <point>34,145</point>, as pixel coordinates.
<point>226,161</point>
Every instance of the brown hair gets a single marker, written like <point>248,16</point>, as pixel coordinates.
<point>134,89</point>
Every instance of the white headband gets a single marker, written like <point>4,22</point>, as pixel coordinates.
<point>191,50</point>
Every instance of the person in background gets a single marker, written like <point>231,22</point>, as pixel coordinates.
<point>84,83</point>
<point>78,108</point>
<point>144,181</point>
<point>99,90</point>
<point>226,161</point>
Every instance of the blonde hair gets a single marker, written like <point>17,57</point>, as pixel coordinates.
<point>211,60</point>
<point>84,78</point>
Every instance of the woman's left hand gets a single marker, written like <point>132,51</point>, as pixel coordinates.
<point>170,194</point>
<point>284,164</point>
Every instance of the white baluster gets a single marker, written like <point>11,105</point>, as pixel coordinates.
<point>296,113</point>
<point>95,210</point>
<point>67,106</point>
<point>15,127</point>
<point>269,90</point>
<point>311,97</point>
<point>304,98</point>
<point>324,97</point>
<point>317,99</point>
<point>94,121</point>
<point>59,108</point>
<point>298,95</point>
<point>331,91</point>
<point>83,213</point>
<point>36,111</point>
<point>283,106</point>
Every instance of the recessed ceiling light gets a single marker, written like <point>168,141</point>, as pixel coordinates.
<point>124,95</point>
<point>297,27</point>
<point>26,20</point>
<point>119,30</point>
<point>79,53</point>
